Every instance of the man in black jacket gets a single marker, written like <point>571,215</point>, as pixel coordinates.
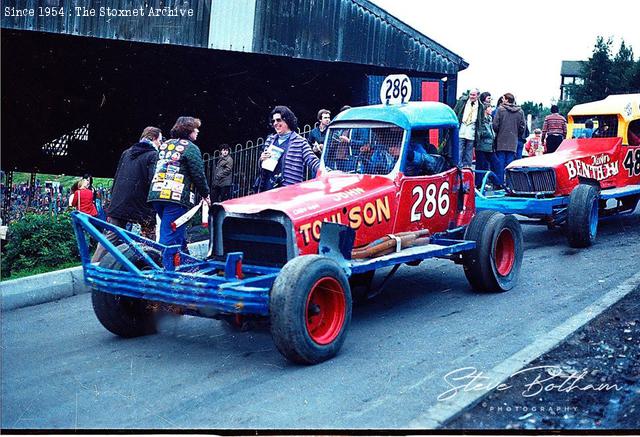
<point>129,207</point>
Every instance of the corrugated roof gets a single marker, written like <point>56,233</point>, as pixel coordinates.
<point>355,31</point>
<point>349,31</point>
<point>156,21</point>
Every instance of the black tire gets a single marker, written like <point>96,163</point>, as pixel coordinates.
<point>123,315</point>
<point>494,264</point>
<point>582,216</point>
<point>310,309</point>
<point>360,285</point>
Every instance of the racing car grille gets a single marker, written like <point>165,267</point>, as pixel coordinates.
<point>263,242</point>
<point>528,181</point>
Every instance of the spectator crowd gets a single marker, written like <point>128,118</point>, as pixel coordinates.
<point>498,135</point>
<point>45,197</point>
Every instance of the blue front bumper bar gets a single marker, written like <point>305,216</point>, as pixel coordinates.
<point>207,294</point>
<point>527,206</point>
<point>210,287</point>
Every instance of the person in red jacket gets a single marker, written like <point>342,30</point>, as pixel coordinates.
<point>534,145</point>
<point>82,199</point>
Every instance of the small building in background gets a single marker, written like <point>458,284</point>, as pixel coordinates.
<point>570,74</point>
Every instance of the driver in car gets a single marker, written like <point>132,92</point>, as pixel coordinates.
<point>380,157</point>
<point>420,163</point>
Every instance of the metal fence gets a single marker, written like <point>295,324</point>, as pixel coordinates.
<point>246,164</point>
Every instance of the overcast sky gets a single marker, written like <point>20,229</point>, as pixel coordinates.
<point>516,46</point>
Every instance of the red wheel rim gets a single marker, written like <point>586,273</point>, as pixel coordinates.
<point>505,253</point>
<point>325,310</point>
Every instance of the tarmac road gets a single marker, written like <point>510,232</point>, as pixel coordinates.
<point>61,369</point>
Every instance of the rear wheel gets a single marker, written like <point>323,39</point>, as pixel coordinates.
<point>123,315</point>
<point>495,262</point>
<point>582,216</point>
<point>310,309</point>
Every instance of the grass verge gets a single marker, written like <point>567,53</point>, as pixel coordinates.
<point>37,270</point>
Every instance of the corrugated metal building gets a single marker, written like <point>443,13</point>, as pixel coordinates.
<point>226,61</point>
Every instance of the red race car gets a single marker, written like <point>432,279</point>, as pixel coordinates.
<point>301,254</point>
<point>594,173</point>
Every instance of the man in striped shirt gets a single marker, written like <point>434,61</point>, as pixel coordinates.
<point>554,129</point>
<point>296,153</point>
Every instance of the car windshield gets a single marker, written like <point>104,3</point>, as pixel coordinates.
<point>596,126</point>
<point>363,150</point>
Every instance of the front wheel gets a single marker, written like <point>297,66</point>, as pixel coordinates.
<point>310,309</point>
<point>495,262</point>
<point>123,315</point>
<point>582,216</point>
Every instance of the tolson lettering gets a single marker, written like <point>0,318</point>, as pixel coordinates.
<point>371,213</point>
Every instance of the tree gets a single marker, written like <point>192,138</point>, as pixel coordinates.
<point>622,70</point>
<point>537,111</point>
<point>529,107</point>
<point>564,106</point>
<point>597,73</point>
<point>634,81</point>
<point>605,75</point>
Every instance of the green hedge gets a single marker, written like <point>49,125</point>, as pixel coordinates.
<point>37,241</point>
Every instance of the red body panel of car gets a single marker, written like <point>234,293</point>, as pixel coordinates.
<point>373,206</point>
<point>431,202</point>
<point>599,159</point>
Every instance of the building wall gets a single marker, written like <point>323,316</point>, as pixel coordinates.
<point>190,28</point>
<point>232,25</point>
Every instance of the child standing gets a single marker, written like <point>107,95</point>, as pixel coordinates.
<point>534,146</point>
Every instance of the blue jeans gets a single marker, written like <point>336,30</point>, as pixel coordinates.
<point>519,148</point>
<point>168,213</point>
<point>503,159</point>
<point>466,152</point>
<point>484,161</point>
